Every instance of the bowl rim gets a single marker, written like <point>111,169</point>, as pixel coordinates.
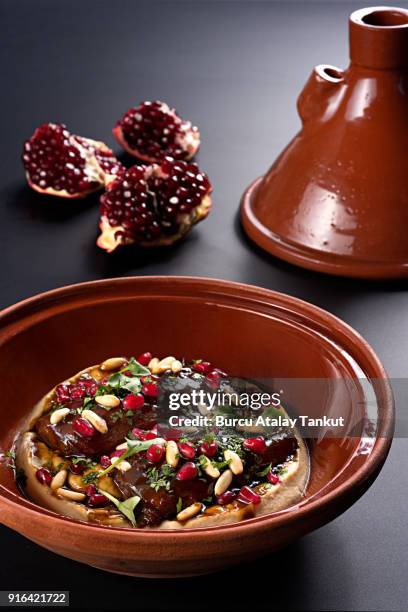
<point>374,461</point>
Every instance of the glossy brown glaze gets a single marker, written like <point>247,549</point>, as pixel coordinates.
<point>336,199</point>
<point>279,336</point>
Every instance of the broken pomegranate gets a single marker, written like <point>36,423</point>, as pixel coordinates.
<point>61,164</point>
<point>153,131</point>
<point>153,205</point>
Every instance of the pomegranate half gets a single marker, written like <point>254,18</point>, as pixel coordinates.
<point>62,164</point>
<point>153,205</point>
<point>153,131</point>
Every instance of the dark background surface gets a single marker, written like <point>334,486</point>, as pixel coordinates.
<point>235,69</point>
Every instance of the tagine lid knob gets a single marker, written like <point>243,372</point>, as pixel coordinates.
<point>379,37</point>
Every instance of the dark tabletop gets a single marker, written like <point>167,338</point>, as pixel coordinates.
<point>235,69</point>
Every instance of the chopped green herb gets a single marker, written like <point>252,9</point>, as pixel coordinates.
<point>120,381</point>
<point>179,505</point>
<point>134,446</point>
<point>265,471</point>
<point>126,507</point>
<point>207,500</point>
<point>160,477</point>
<point>88,478</point>
<point>136,368</point>
<point>77,459</point>
<point>221,464</point>
<point>234,443</point>
<point>119,414</point>
<point>87,401</point>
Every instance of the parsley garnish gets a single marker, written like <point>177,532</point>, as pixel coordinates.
<point>160,477</point>
<point>126,507</point>
<point>134,446</point>
<point>77,459</point>
<point>265,471</point>
<point>135,368</point>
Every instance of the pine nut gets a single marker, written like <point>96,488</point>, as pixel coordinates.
<point>223,483</point>
<point>58,480</point>
<point>123,466</point>
<point>153,363</point>
<point>107,401</point>
<point>114,363</point>
<point>235,463</point>
<point>172,453</point>
<point>189,512</point>
<point>58,415</point>
<point>208,467</point>
<point>122,446</point>
<point>72,495</point>
<point>176,366</point>
<point>165,364</point>
<point>98,422</point>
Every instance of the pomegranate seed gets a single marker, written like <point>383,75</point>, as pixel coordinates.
<point>188,471</point>
<point>226,498</point>
<point>220,372</point>
<point>77,468</point>
<point>133,402</point>
<point>137,432</point>
<point>97,499</point>
<point>150,390</point>
<point>209,449</point>
<point>117,453</point>
<point>202,368</point>
<point>105,461</point>
<point>187,450</point>
<point>248,496</point>
<point>213,379</point>
<point>144,359</point>
<point>44,476</point>
<point>273,478</point>
<point>83,427</point>
<point>155,453</point>
<point>255,445</point>
<point>62,394</point>
<point>147,435</point>
<point>90,490</point>
<point>78,393</point>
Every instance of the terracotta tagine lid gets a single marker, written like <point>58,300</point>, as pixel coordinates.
<point>336,199</point>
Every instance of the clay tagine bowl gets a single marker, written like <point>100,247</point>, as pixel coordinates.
<point>246,330</point>
<point>336,199</point>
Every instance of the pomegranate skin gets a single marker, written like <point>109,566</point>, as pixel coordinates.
<point>153,205</point>
<point>153,131</point>
<point>62,164</point>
